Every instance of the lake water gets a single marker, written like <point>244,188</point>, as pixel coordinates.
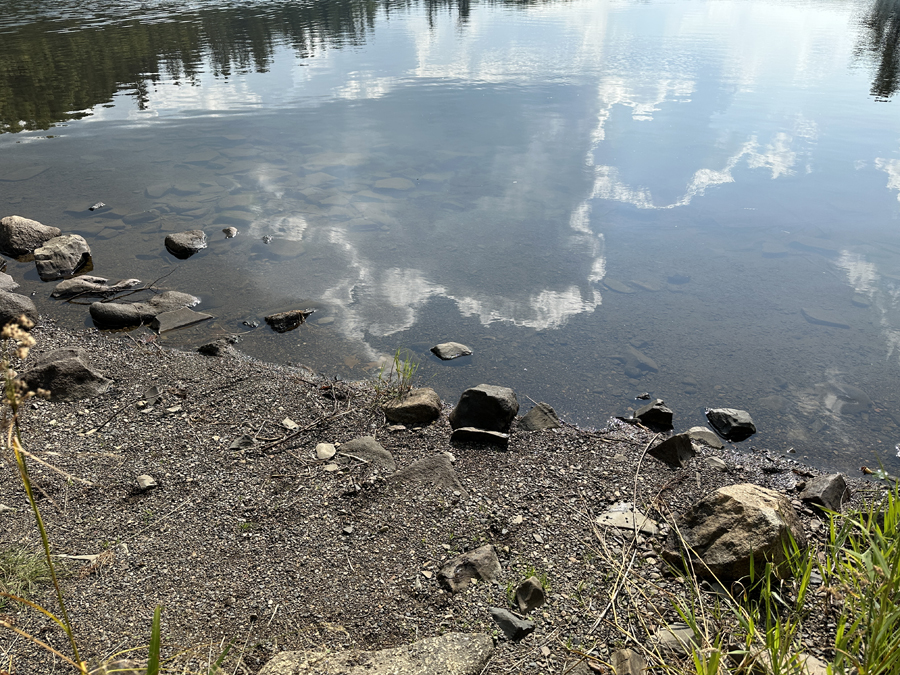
<point>600,198</point>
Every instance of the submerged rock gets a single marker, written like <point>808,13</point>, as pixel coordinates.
<point>122,314</point>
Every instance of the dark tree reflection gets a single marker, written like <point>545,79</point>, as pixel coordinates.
<point>880,34</point>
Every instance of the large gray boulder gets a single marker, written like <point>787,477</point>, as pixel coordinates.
<point>723,531</point>
<point>449,654</point>
<point>20,236</point>
<point>61,256</point>
<point>485,407</point>
<point>67,374</point>
<point>123,314</point>
<point>13,305</point>
<point>419,406</point>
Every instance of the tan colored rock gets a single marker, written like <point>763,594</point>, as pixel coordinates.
<point>419,406</point>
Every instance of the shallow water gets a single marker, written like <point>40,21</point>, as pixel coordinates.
<point>580,191</point>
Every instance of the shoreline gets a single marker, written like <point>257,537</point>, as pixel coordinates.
<point>262,543</point>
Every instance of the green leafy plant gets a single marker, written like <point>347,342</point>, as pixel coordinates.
<point>396,375</point>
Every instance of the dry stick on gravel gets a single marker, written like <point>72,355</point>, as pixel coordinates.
<point>66,475</point>
<point>327,418</point>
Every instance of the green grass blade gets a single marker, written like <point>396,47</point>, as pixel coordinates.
<point>153,660</point>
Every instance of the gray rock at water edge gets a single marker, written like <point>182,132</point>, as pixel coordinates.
<point>90,285</point>
<point>448,654</point>
<point>731,424</point>
<point>718,463</point>
<point>530,595</point>
<point>512,626</point>
<point>418,406</point>
<point>704,435</point>
<point>67,374</point>
<point>724,530</point>
<point>541,416</point>
<point>475,435</point>
<point>829,492</point>
<point>480,563</point>
<point>628,662</point>
<point>13,305</point>
<point>486,407</point>
<point>146,482</point>
<point>676,638</point>
<point>369,450</point>
<point>437,471</point>
<point>185,244</point>
<point>61,256</point>
<point>450,350</point>
<point>7,283</point>
<point>219,347</point>
<point>20,236</point>
<point>123,314</point>
<point>676,451</point>
<point>285,321</point>
<point>655,415</point>
<point>624,516</point>
<point>177,318</point>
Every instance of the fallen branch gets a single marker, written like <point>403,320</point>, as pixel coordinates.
<point>303,429</point>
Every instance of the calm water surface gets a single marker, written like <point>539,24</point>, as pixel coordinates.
<point>600,198</point>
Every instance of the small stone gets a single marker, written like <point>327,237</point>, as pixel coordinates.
<point>146,482</point>
<point>538,538</point>
<point>4,508</point>
<point>289,424</point>
<point>675,451</point>
<point>675,638</point>
<point>628,662</point>
<point>530,595</point>
<point>427,574</point>
<point>325,451</point>
<point>177,318</point>
<point>623,514</point>
<point>450,350</point>
<point>480,563</point>
<point>244,442</point>
<point>230,232</point>
<point>704,435</point>
<point>331,468</point>
<point>828,492</point>
<point>717,463</point>
<point>348,530</point>
<point>541,416</point>
<point>512,626</point>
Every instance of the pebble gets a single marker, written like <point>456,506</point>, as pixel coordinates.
<point>331,468</point>
<point>326,451</point>
<point>146,482</point>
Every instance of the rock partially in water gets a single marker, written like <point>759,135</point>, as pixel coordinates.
<point>7,283</point>
<point>230,232</point>
<point>20,236</point>
<point>90,285</point>
<point>731,424</point>
<point>286,321</point>
<point>704,435</point>
<point>185,244</point>
<point>177,318</point>
<point>123,315</point>
<point>450,350</point>
<point>61,257</point>
<point>656,415</point>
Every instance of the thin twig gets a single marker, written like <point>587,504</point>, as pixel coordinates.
<point>68,476</point>
<point>327,418</point>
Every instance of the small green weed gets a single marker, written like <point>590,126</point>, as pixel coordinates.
<point>21,572</point>
<point>395,377</point>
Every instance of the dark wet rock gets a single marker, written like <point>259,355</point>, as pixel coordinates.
<point>628,662</point>
<point>822,317</point>
<point>541,416</point>
<point>61,256</point>
<point>123,314</point>
<point>480,563</point>
<point>219,347</point>
<point>731,424</point>
<point>7,283</point>
<point>20,236</point>
<point>486,407</point>
<point>418,406</point>
<point>89,285</point>
<point>732,525</point>
<point>368,449</point>
<point>141,217</point>
<point>512,626</point>
<point>177,318</point>
<point>185,244</point>
<point>655,415</point>
<point>827,491</point>
<point>530,595</point>
<point>437,471</point>
<point>285,321</point>
<point>13,305</point>
<point>450,350</point>
<point>230,232</point>
<point>704,435</point>
<point>475,435</point>
<point>448,654</point>
<point>67,374</point>
<point>676,451</point>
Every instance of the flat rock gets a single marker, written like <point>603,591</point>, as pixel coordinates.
<point>282,322</point>
<point>623,515</point>
<point>638,364</point>
<point>475,435</point>
<point>13,305</point>
<point>448,654</point>
<point>512,626</point>
<point>676,451</point>
<point>829,492</point>
<point>370,450</point>
<point>676,638</point>
<point>418,406</point>
<point>704,435</point>
<point>724,530</point>
<point>823,317</point>
<point>731,424</point>
<point>530,595</point>
<point>655,415</point>
<point>67,374</point>
<point>486,407</point>
<point>185,244</point>
<point>122,314</point>
<point>450,350</point>
<point>89,285</point>
<point>541,416</point>
<point>146,482</point>
<point>61,257</point>
<point>20,236</point>
<point>628,662</point>
<point>177,318</point>
<point>480,563</point>
<point>141,217</point>
<point>437,471</point>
